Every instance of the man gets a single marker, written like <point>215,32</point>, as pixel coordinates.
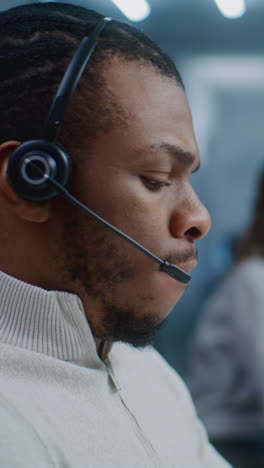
<point>71,290</point>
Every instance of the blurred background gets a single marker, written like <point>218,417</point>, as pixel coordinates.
<point>220,56</point>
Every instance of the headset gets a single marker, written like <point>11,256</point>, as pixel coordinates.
<point>47,154</point>
<point>39,170</point>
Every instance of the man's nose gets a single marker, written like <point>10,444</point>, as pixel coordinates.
<point>191,220</point>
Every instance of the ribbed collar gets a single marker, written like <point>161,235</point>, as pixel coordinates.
<point>49,322</point>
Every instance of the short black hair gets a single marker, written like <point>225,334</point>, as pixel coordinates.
<point>37,41</point>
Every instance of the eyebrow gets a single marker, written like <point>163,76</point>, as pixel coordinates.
<point>184,157</point>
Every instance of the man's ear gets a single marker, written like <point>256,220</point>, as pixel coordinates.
<point>24,209</point>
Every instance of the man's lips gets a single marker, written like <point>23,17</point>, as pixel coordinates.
<point>187,266</point>
<point>186,260</point>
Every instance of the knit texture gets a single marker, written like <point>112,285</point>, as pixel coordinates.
<point>62,406</point>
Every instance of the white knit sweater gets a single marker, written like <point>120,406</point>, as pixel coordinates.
<point>64,406</point>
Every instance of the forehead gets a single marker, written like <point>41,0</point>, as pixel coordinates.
<point>155,107</point>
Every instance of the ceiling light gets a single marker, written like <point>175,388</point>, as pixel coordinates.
<point>135,10</point>
<point>231,8</point>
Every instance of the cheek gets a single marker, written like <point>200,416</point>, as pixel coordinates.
<point>125,204</point>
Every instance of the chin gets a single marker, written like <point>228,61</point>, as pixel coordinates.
<point>170,300</point>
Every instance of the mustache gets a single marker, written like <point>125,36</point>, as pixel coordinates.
<point>182,257</point>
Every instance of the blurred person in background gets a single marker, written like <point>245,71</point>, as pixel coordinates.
<point>226,363</point>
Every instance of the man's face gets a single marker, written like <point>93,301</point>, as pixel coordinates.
<point>136,176</point>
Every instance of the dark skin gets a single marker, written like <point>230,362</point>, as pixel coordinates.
<point>137,176</point>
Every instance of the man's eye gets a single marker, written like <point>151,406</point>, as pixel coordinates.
<point>154,185</point>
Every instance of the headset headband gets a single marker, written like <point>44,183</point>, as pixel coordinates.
<point>70,80</point>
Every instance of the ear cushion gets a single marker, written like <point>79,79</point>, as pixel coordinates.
<point>31,161</point>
